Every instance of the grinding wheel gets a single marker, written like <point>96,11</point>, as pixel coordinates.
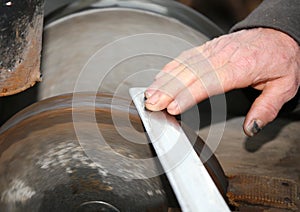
<point>110,50</point>
<point>46,167</point>
<point>73,35</point>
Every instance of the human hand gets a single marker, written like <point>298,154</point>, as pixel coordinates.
<point>266,59</point>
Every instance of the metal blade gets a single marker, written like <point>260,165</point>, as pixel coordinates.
<point>193,186</point>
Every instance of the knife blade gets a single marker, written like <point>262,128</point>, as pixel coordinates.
<point>188,177</point>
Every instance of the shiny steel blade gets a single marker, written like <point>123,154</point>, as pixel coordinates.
<point>193,186</point>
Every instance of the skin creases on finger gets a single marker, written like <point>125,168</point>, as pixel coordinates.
<point>214,83</point>
<point>208,85</point>
<point>166,90</point>
<point>158,84</point>
<point>187,98</point>
<point>179,64</point>
<point>170,67</point>
<point>173,65</point>
<point>170,82</point>
<point>190,59</point>
<point>171,86</point>
<point>187,72</point>
<point>173,72</point>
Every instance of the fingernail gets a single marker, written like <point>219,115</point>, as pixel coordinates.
<point>152,100</point>
<point>254,127</point>
<point>148,93</point>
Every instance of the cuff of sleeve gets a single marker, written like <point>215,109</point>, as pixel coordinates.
<point>281,15</point>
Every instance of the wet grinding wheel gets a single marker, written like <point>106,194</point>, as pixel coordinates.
<point>112,49</point>
<point>45,167</point>
<point>72,36</point>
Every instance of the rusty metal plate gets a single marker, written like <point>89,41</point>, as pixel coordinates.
<point>21,24</point>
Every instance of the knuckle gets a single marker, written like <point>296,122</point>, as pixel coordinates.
<point>290,91</point>
<point>185,55</point>
<point>169,65</point>
<point>271,110</point>
<point>287,86</point>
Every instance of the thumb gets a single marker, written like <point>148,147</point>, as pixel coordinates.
<point>264,109</point>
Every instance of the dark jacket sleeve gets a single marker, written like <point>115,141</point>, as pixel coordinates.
<point>283,15</point>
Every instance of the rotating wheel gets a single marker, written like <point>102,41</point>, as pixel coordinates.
<point>46,167</point>
<point>45,163</point>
